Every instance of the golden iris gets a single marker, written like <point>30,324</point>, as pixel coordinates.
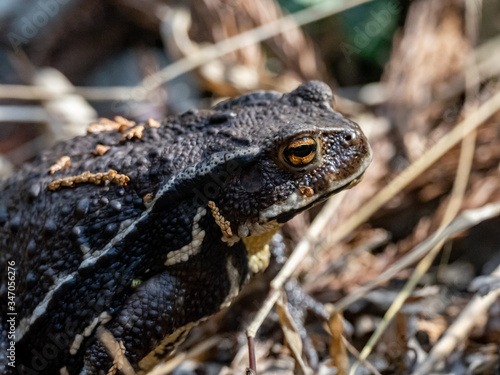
<point>301,152</point>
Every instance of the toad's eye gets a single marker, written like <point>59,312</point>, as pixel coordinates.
<point>300,152</point>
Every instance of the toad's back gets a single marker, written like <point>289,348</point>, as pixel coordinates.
<point>128,250</point>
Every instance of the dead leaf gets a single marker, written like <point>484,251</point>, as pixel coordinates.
<point>292,337</point>
<point>338,350</point>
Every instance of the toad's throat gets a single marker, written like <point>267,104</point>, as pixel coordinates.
<point>258,248</point>
<point>257,245</point>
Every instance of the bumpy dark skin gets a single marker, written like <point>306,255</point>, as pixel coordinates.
<point>95,255</point>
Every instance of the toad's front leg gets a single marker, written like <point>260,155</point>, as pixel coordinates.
<point>158,316</point>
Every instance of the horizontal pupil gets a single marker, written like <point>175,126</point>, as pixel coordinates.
<point>303,150</point>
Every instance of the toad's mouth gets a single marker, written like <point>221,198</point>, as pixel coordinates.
<point>286,216</point>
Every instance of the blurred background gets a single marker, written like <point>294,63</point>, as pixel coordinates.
<point>406,71</point>
<point>84,57</point>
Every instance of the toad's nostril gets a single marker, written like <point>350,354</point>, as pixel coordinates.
<point>351,138</point>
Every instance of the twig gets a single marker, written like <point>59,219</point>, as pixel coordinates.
<point>251,354</point>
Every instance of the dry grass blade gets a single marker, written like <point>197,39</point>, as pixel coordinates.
<point>298,254</point>
<point>292,337</point>
<point>453,207</point>
<point>466,220</point>
<point>338,351</point>
<point>478,307</point>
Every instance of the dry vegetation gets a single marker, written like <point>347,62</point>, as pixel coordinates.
<point>388,274</point>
